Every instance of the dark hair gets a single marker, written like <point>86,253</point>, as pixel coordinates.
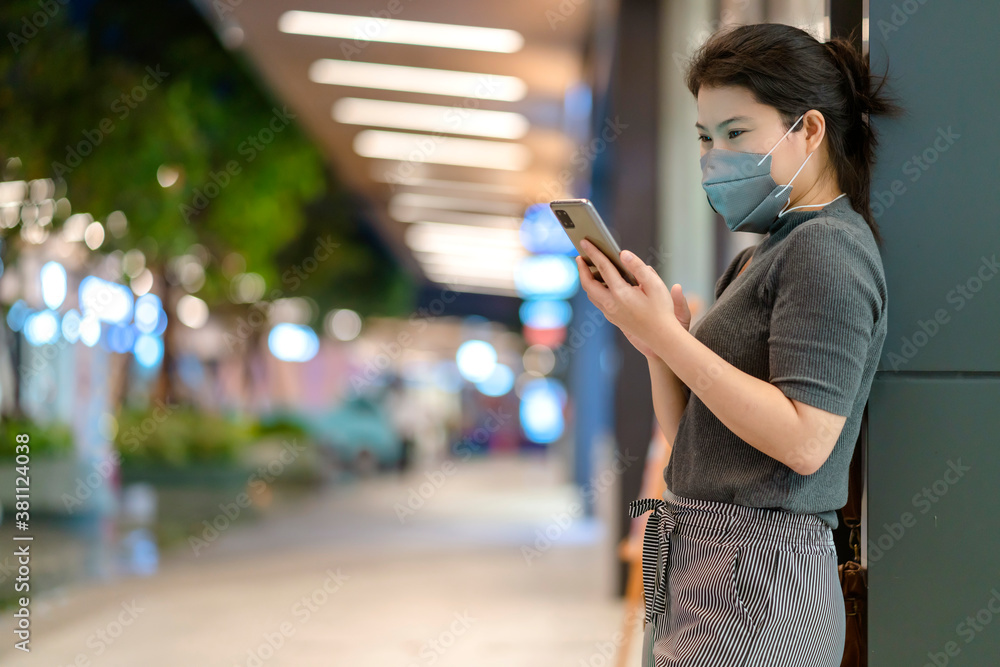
<point>787,68</point>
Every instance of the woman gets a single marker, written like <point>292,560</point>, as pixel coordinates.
<point>764,396</point>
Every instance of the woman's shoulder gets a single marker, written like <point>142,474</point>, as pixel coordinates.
<point>841,232</point>
<point>836,248</point>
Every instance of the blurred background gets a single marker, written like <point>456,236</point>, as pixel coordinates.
<point>299,349</point>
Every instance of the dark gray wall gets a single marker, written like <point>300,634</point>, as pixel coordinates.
<point>934,410</point>
<point>632,187</point>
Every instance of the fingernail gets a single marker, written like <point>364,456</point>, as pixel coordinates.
<point>627,254</point>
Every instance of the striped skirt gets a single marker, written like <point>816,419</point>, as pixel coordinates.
<point>732,586</point>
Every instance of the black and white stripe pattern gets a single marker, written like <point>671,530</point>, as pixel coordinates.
<point>737,586</point>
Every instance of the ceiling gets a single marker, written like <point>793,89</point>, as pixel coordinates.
<point>487,203</point>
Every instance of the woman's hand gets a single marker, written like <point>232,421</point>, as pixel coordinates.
<point>645,312</point>
<point>640,345</point>
<point>681,310</point>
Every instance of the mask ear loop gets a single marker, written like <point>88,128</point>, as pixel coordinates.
<point>780,140</point>
<point>811,205</point>
<point>789,184</point>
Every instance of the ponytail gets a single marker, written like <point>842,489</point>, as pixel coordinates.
<point>859,138</point>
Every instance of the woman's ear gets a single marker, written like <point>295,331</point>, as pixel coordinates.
<point>815,129</point>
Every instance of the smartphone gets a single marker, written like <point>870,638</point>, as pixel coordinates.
<point>580,220</point>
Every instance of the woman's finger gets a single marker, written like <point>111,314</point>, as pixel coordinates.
<point>681,309</point>
<point>645,275</point>
<point>587,280</point>
<point>592,286</point>
<point>609,272</point>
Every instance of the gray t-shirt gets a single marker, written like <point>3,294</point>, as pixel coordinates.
<point>809,316</point>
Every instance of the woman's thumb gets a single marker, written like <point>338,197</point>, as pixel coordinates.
<point>681,309</point>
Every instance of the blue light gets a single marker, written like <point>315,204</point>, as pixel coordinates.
<point>541,231</point>
<point>161,324</point>
<point>17,314</point>
<point>90,330</point>
<point>293,342</point>
<point>148,350</point>
<point>148,311</point>
<point>546,277</point>
<point>476,360</point>
<point>71,326</point>
<point>541,410</point>
<point>108,301</point>
<point>545,313</point>
<point>41,328</point>
<point>499,383</point>
<point>53,277</point>
<point>578,102</point>
<point>190,370</point>
<point>119,338</point>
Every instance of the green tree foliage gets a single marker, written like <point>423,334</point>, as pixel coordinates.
<point>104,94</point>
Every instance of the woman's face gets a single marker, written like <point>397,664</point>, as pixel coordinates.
<point>729,118</point>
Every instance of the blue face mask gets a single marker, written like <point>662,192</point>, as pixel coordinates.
<point>740,188</point>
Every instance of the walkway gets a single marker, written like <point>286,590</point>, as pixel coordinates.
<point>341,581</point>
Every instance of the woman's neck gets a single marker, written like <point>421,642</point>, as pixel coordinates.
<point>819,195</point>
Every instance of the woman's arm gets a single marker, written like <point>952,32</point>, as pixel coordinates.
<point>799,435</point>
<point>670,397</point>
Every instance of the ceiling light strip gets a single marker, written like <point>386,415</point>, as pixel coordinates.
<point>399,31</point>
<point>420,148</point>
<point>430,118</point>
<point>420,200</point>
<point>470,85</point>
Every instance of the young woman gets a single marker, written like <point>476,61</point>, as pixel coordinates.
<point>763,398</point>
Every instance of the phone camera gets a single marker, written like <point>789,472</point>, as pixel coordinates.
<point>564,218</point>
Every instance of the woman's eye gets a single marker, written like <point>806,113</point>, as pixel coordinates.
<point>731,133</point>
<point>703,138</point>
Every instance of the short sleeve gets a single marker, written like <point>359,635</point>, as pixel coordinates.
<point>828,298</point>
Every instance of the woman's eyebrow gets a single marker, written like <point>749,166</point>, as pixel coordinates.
<point>725,122</point>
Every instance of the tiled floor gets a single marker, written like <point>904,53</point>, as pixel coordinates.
<point>343,580</point>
